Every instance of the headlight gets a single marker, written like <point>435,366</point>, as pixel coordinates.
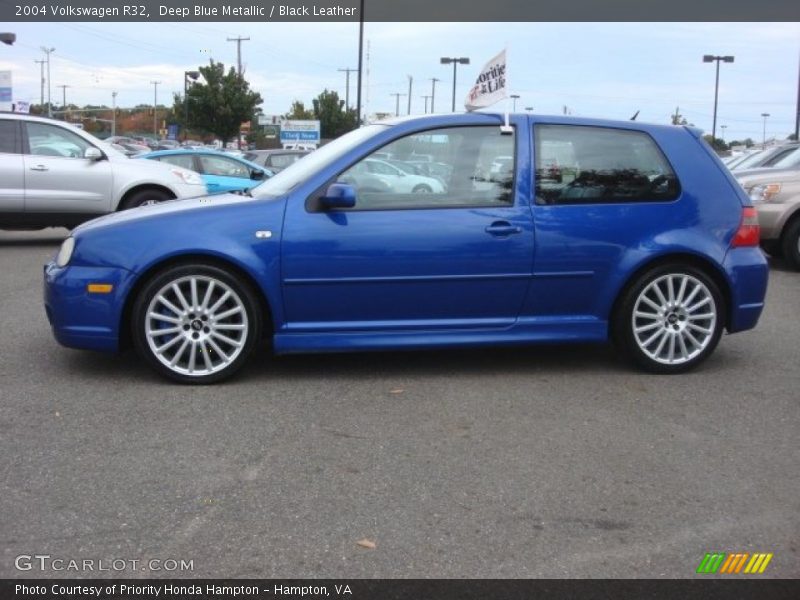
<point>764,192</point>
<point>65,252</point>
<point>187,176</point>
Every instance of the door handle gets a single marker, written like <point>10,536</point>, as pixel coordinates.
<point>39,168</point>
<point>502,228</point>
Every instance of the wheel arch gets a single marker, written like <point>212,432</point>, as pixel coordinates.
<point>125,340</point>
<point>699,262</point>
<point>140,188</point>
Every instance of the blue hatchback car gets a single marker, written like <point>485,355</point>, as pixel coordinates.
<point>559,230</point>
<point>221,172</point>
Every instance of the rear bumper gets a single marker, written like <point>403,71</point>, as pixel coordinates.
<point>81,319</point>
<point>748,273</point>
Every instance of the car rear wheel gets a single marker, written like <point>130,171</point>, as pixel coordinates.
<point>144,198</point>
<point>670,319</point>
<point>196,323</point>
<point>791,245</point>
<point>422,189</point>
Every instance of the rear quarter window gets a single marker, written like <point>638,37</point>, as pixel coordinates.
<point>577,164</point>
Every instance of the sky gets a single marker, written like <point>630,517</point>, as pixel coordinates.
<point>608,70</point>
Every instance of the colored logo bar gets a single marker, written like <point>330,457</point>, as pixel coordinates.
<point>734,562</point>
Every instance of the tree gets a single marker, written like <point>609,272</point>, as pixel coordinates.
<point>220,105</point>
<point>717,144</point>
<point>299,112</point>
<point>334,118</point>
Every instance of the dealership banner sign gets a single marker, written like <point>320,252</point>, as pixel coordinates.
<point>491,85</point>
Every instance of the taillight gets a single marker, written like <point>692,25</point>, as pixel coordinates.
<point>749,232</point>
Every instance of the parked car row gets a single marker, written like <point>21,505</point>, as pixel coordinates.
<point>771,178</point>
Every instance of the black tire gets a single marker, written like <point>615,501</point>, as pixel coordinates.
<point>144,197</point>
<point>772,247</point>
<point>422,189</point>
<point>198,326</point>
<point>790,244</point>
<point>678,323</point>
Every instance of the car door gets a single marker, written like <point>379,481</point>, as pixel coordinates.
<point>58,179</point>
<point>224,174</point>
<point>601,195</point>
<point>461,258</point>
<point>12,168</point>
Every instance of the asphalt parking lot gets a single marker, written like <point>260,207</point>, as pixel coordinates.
<point>537,462</point>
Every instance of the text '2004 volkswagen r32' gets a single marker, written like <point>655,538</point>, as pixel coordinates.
<point>643,238</point>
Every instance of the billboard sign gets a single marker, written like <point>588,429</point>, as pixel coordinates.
<point>306,132</point>
<point>5,90</point>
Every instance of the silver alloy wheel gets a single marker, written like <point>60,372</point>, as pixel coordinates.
<point>674,318</point>
<point>196,325</point>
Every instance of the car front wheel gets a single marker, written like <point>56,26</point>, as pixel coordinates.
<point>670,319</point>
<point>196,323</point>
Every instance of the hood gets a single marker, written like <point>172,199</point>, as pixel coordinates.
<point>170,207</point>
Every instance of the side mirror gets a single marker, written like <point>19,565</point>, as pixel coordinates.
<point>339,195</point>
<point>93,154</point>
<point>257,175</point>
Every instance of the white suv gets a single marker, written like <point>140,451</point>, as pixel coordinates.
<point>54,174</point>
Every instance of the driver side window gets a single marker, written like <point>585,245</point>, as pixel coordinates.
<point>441,168</point>
<point>50,140</point>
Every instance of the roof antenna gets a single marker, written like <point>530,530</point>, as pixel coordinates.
<point>636,114</point>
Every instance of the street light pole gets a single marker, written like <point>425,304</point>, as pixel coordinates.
<point>455,61</point>
<point>764,132</point>
<point>723,127</point>
<point>514,104</point>
<point>426,103</point>
<point>711,58</point>
<point>155,108</point>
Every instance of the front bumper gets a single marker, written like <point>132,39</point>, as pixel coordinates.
<point>79,318</point>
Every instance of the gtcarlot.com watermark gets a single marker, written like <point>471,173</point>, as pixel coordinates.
<point>48,563</point>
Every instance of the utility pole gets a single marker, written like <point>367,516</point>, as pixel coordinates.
<point>397,97</point>
<point>347,84</point>
<point>426,103</point>
<point>47,51</point>
<point>64,98</point>
<point>41,69</point>
<point>360,59</point>
<point>410,82</point>
<point>113,113</point>
<point>433,92</point>
<point>239,41</point>
<point>155,108</point>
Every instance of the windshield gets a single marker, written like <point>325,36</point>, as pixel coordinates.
<point>789,161</point>
<point>300,171</point>
<point>750,160</point>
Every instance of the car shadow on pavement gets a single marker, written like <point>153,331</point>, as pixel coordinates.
<point>51,236</point>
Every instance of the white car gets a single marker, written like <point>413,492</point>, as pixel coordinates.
<point>397,180</point>
<point>54,174</point>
